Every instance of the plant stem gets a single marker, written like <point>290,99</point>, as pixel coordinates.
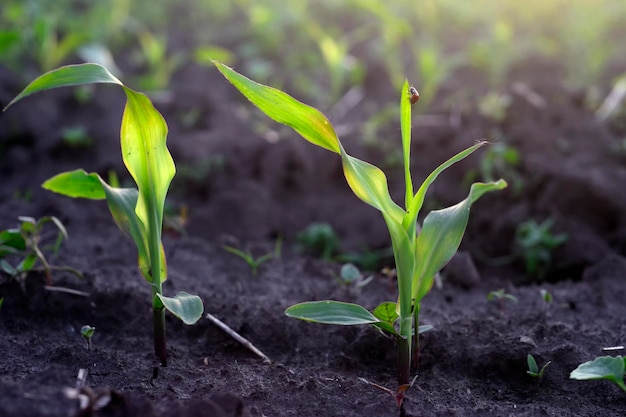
<point>154,246</point>
<point>404,362</point>
<point>159,334</point>
<point>416,338</point>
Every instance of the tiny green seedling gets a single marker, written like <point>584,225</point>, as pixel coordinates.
<point>419,252</point>
<point>137,211</point>
<point>321,239</point>
<point>533,369</point>
<point>76,137</point>
<point>611,368</point>
<point>27,244</point>
<point>352,278</point>
<point>545,296</point>
<point>249,258</point>
<point>1,302</point>
<point>501,296</point>
<point>535,244</point>
<point>87,333</point>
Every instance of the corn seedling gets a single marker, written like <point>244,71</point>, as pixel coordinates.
<point>533,369</point>
<point>419,255</point>
<point>611,368</point>
<point>87,333</point>
<point>137,211</point>
<point>535,244</point>
<point>26,244</point>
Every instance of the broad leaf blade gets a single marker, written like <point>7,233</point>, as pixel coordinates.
<point>610,368</point>
<point>309,122</point>
<point>76,184</point>
<point>70,75</point>
<point>185,306</point>
<point>331,312</point>
<point>145,154</point>
<point>441,235</point>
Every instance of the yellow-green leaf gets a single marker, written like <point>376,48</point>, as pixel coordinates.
<point>309,122</point>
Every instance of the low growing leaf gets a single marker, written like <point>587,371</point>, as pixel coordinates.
<point>331,312</point>
<point>185,306</point>
<point>610,368</point>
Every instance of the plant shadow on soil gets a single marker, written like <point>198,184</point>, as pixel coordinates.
<point>472,364</point>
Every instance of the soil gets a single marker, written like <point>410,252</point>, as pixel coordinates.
<point>473,363</point>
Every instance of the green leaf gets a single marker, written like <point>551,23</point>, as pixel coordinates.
<point>8,268</point>
<point>441,236</point>
<point>331,312</point>
<point>145,154</point>
<point>533,369</point>
<point>405,128</point>
<point>418,199</point>
<point>27,264</point>
<point>369,184</point>
<point>386,312</point>
<point>70,75</point>
<point>122,203</point>
<point>610,368</point>
<point>185,306</point>
<point>309,122</point>
<point>76,184</point>
<point>11,241</point>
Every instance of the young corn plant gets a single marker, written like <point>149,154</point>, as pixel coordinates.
<point>137,211</point>
<point>419,252</point>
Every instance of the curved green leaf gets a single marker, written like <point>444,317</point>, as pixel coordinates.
<point>309,122</point>
<point>185,306</point>
<point>331,312</point>
<point>441,235</point>
<point>611,368</point>
<point>369,184</point>
<point>69,75</point>
<point>76,184</point>
<point>418,200</point>
<point>386,312</point>
<point>145,154</point>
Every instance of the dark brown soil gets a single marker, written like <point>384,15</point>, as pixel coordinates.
<point>474,361</point>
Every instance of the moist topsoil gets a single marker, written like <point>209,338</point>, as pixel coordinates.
<point>241,189</point>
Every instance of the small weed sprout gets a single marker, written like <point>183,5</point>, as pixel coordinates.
<point>545,296</point>
<point>321,239</point>
<point>26,243</point>
<point>419,252</point>
<point>535,244</point>
<point>501,296</point>
<point>611,368</point>
<point>87,333</point>
<point>351,277</point>
<point>249,258</point>
<point>533,369</point>
<point>137,211</point>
